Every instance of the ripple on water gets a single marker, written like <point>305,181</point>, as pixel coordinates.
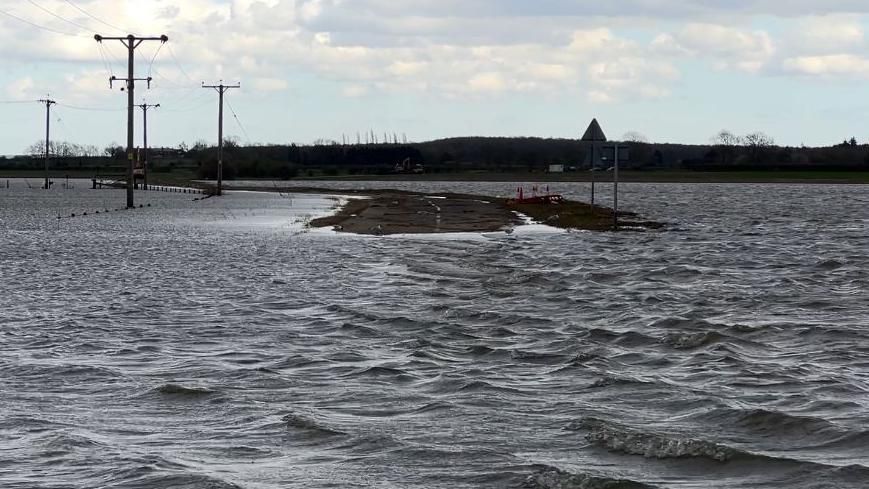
<point>215,344</point>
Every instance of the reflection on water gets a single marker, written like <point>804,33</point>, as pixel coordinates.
<point>218,344</point>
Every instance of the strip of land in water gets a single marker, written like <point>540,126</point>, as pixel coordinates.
<point>387,212</point>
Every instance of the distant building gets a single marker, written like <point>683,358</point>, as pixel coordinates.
<point>556,168</point>
<point>407,167</point>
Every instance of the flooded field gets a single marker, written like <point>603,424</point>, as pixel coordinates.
<point>222,344</point>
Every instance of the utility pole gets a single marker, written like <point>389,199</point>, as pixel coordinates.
<point>48,103</point>
<point>221,89</point>
<point>147,159</point>
<point>131,42</point>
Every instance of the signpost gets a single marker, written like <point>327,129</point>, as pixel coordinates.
<point>593,135</point>
<point>617,153</point>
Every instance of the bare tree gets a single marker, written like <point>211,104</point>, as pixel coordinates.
<point>757,143</point>
<point>727,138</point>
<point>635,137</point>
<point>758,140</point>
<point>36,149</point>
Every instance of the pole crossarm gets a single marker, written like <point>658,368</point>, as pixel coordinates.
<point>130,42</point>
<point>131,38</point>
<point>113,79</point>
<point>221,88</point>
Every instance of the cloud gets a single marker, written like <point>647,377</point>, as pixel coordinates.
<point>848,65</point>
<point>487,82</point>
<point>21,89</point>
<point>827,33</point>
<point>726,47</point>
<point>609,51</point>
<point>270,84</point>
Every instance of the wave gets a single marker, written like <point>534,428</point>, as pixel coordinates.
<point>619,438</point>
<point>380,372</point>
<point>630,339</point>
<point>305,423</point>
<point>622,439</point>
<point>690,341</point>
<point>610,381</point>
<point>771,423</point>
<point>183,391</point>
<point>70,442</point>
<point>178,481</point>
<point>452,385</point>
<point>545,358</point>
<point>553,478</point>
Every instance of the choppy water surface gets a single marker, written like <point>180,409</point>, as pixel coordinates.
<point>217,344</point>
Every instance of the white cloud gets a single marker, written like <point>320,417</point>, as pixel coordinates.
<point>828,33</point>
<point>451,48</point>
<point>270,84</point>
<point>487,82</point>
<point>828,65</point>
<point>726,47</point>
<point>353,91</point>
<point>21,89</point>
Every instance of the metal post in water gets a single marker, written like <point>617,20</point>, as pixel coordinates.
<point>616,190</point>
<point>592,177</point>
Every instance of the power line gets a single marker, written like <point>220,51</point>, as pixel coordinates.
<point>177,62</point>
<point>91,109</point>
<point>94,17</point>
<point>113,55</point>
<point>175,85</point>
<point>238,121</point>
<point>151,66</point>
<point>106,61</point>
<point>49,12</point>
<point>33,24</point>
<point>203,101</point>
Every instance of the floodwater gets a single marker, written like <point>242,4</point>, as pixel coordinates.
<point>221,344</point>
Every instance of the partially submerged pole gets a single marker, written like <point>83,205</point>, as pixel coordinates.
<point>616,190</point>
<point>48,103</point>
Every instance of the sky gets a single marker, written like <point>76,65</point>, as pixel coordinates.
<point>671,70</point>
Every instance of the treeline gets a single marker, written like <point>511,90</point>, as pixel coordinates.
<point>751,152</point>
<point>65,149</point>
<point>726,151</point>
<point>285,162</point>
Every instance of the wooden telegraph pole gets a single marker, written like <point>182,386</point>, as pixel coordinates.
<point>131,42</point>
<point>147,159</point>
<point>221,89</point>
<point>48,103</point>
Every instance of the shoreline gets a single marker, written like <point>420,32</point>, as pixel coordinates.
<point>792,177</point>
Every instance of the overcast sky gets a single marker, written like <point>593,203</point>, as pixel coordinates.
<point>673,70</point>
